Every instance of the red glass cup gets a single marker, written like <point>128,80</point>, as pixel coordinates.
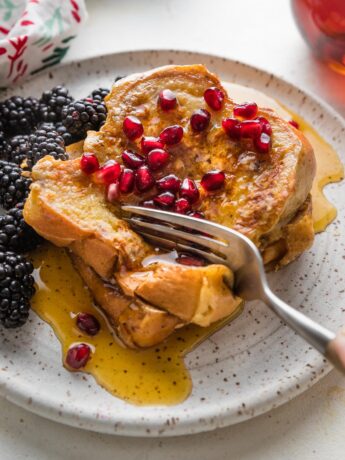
<point>322,24</point>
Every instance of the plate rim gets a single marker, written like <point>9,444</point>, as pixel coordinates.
<point>190,424</point>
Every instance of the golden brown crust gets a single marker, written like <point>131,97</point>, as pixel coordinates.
<point>69,210</point>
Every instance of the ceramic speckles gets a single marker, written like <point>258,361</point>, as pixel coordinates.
<point>247,368</point>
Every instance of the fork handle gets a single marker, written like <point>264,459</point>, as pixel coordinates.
<point>326,342</point>
<point>335,351</point>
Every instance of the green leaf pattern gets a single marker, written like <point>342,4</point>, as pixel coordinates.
<point>7,9</point>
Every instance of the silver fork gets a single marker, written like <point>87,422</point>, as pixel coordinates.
<point>228,247</point>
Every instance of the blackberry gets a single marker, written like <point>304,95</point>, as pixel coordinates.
<point>82,116</point>
<point>45,141</point>
<point>14,187</point>
<point>15,233</point>
<point>99,94</point>
<point>17,148</point>
<point>16,289</point>
<point>3,142</point>
<point>19,115</point>
<point>52,102</point>
<point>66,136</point>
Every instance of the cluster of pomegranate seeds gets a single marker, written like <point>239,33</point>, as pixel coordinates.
<point>132,160</point>
<point>157,159</point>
<point>136,173</point>
<point>213,180</point>
<point>78,355</point>
<point>248,127</point>
<point>214,98</point>
<point>294,124</point>
<point>150,143</point>
<point>88,323</point>
<point>144,179</point>
<point>189,190</point>
<point>200,120</point>
<point>191,260</point>
<point>89,163</point>
<point>171,135</point>
<point>127,180</point>
<point>132,127</point>
<point>167,100</point>
<point>248,110</point>
<point>108,173</point>
<point>169,183</point>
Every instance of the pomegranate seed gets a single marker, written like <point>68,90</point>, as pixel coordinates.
<point>213,180</point>
<point>167,100</point>
<point>132,128</point>
<point>148,204</point>
<point>294,123</point>
<point>247,110</point>
<point>157,159</point>
<point>78,355</point>
<point>88,323</point>
<point>182,206</point>
<point>197,214</point>
<point>127,181</point>
<point>232,128</point>
<point>171,135</point>
<point>170,183</point>
<point>263,143</point>
<point>113,192</point>
<point>265,125</point>
<point>200,120</point>
<point>132,160</point>
<point>190,260</point>
<point>144,179</point>
<point>108,173</point>
<point>164,200</point>
<point>214,98</point>
<point>189,190</point>
<point>151,143</point>
<point>250,129</point>
<point>89,163</point>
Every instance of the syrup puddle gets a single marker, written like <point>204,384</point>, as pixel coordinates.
<point>154,376</point>
<point>157,375</point>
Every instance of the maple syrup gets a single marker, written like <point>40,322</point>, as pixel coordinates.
<point>157,375</point>
<point>154,376</point>
<point>322,24</point>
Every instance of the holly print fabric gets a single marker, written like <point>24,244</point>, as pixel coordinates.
<point>36,35</point>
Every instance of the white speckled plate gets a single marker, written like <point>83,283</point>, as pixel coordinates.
<point>249,367</point>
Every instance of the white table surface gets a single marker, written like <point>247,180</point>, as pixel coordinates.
<point>262,33</point>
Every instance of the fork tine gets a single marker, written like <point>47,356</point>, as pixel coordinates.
<point>203,225</point>
<point>209,243</point>
<point>163,242</point>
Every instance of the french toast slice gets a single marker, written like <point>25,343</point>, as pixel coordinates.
<point>266,197</point>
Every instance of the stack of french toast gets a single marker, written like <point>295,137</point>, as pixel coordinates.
<point>265,195</point>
